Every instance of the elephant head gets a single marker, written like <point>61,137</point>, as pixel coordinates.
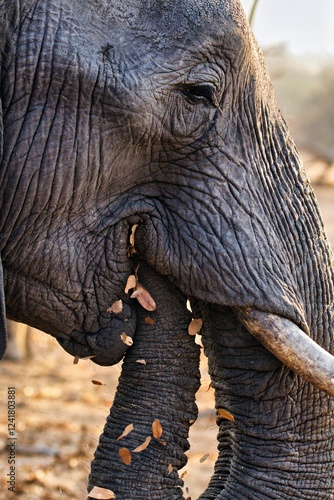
<point>158,120</point>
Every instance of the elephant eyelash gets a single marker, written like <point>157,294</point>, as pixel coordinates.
<point>200,93</point>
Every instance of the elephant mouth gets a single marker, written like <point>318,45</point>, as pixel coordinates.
<point>289,342</point>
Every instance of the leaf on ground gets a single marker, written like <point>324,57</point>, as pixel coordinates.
<point>143,446</point>
<point>126,339</point>
<point>144,298</point>
<point>129,428</point>
<point>116,307</point>
<point>97,382</point>
<point>141,361</point>
<point>125,455</point>
<point>170,468</point>
<point>149,321</point>
<point>195,326</point>
<point>157,429</point>
<point>101,493</point>
<point>225,414</point>
<point>204,457</point>
<point>131,283</point>
<point>76,360</point>
<point>184,474</point>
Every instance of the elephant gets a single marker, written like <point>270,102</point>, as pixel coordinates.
<point>145,163</point>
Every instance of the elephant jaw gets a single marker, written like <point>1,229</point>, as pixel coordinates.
<point>291,346</point>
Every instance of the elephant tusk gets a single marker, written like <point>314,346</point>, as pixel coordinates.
<point>291,346</point>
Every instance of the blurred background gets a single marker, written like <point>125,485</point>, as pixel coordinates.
<point>60,411</point>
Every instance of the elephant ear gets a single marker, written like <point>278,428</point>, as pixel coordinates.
<point>3,323</point>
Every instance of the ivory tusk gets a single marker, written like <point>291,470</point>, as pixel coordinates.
<point>291,346</point>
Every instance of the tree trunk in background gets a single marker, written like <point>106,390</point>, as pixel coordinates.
<point>159,379</point>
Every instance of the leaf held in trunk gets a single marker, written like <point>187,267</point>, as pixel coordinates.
<point>125,455</point>
<point>101,493</point>
<point>143,446</point>
<point>129,428</point>
<point>195,326</point>
<point>149,321</point>
<point>157,429</point>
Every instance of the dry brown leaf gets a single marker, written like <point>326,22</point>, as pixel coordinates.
<point>129,428</point>
<point>144,298</point>
<point>131,283</point>
<point>125,455</point>
<point>142,446</point>
<point>141,361</point>
<point>76,360</point>
<point>126,339</point>
<point>195,326</point>
<point>149,321</point>
<point>170,468</point>
<point>205,457</point>
<point>116,307</point>
<point>183,474</point>
<point>97,382</point>
<point>132,235</point>
<point>157,429</point>
<point>225,414</point>
<point>101,493</point>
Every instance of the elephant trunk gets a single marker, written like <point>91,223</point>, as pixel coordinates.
<point>159,379</point>
<point>275,436</point>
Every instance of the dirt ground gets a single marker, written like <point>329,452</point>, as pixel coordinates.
<point>60,413</point>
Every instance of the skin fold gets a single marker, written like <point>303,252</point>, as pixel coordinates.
<point>149,130</point>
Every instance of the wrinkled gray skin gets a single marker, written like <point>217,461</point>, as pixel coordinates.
<point>161,113</point>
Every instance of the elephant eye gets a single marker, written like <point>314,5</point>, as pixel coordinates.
<point>200,93</point>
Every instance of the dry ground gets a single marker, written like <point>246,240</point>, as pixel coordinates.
<point>60,414</point>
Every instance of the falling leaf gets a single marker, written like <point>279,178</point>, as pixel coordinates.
<point>225,414</point>
<point>170,468</point>
<point>97,382</point>
<point>149,321</point>
<point>195,326</point>
<point>125,455</point>
<point>184,474</point>
<point>101,493</point>
<point>205,457</point>
<point>131,283</point>
<point>144,298</point>
<point>129,428</point>
<point>141,361</point>
<point>76,360</point>
<point>116,308</point>
<point>143,446</point>
<point>157,429</point>
<point>126,339</point>
<point>132,235</point>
